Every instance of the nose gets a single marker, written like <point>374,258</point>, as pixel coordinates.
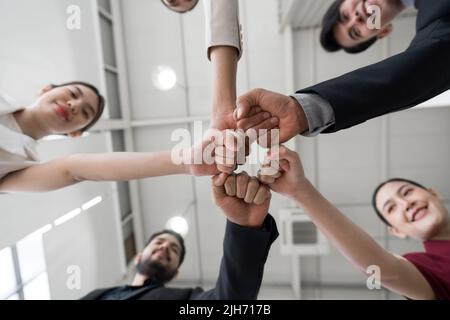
<point>358,17</point>
<point>72,107</point>
<point>409,205</point>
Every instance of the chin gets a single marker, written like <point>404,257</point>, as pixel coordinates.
<point>432,227</point>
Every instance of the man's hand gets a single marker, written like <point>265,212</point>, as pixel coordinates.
<point>292,119</point>
<point>283,172</point>
<point>244,200</point>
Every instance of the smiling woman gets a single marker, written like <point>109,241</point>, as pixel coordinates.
<point>70,109</point>
<point>66,109</point>
<point>409,209</point>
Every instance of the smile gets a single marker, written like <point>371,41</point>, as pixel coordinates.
<point>62,112</point>
<point>419,214</point>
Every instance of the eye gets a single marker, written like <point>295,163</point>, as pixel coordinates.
<point>72,94</point>
<point>408,192</point>
<point>391,208</point>
<point>85,114</point>
<point>343,17</point>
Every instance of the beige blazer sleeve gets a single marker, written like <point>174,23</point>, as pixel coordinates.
<point>222,24</point>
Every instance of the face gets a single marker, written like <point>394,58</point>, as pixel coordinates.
<point>353,29</point>
<point>68,109</point>
<point>161,257</point>
<point>412,211</point>
<point>180,5</point>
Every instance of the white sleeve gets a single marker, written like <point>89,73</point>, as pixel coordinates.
<point>222,24</point>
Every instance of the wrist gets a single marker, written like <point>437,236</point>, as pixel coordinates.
<point>302,190</point>
<point>300,115</point>
<point>248,224</point>
<point>184,164</point>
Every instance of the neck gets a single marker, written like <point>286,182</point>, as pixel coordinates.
<point>443,234</point>
<point>139,280</point>
<point>399,5</point>
<point>30,124</point>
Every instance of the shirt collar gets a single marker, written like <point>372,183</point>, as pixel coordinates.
<point>438,247</point>
<point>409,3</point>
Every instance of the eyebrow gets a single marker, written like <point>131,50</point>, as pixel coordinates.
<point>399,191</point>
<point>80,92</point>
<point>172,244</point>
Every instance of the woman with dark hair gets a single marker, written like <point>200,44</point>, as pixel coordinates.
<point>409,210</point>
<point>70,109</point>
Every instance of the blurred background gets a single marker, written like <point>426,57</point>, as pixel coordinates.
<point>152,66</point>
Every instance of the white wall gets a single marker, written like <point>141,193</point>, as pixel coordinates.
<point>37,49</point>
<point>347,167</point>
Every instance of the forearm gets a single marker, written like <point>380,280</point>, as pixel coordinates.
<point>224,60</point>
<point>244,256</point>
<point>122,166</point>
<point>353,242</point>
<point>63,172</point>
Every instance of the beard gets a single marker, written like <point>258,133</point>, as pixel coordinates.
<point>155,270</point>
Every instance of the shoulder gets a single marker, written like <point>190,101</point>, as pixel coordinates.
<point>8,104</point>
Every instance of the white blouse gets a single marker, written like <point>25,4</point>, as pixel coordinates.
<point>17,150</point>
<point>222,24</point>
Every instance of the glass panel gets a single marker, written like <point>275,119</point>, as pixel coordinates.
<point>105,4</point>
<point>7,273</point>
<point>38,289</point>
<point>109,53</point>
<point>31,255</point>
<point>129,243</point>
<point>118,141</point>
<point>123,189</point>
<point>14,297</point>
<point>112,87</point>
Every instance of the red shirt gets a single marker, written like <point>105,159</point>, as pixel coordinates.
<point>434,264</point>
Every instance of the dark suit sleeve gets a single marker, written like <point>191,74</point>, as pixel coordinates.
<point>96,294</point>
<point>245,252</point>
<point>402,81</point>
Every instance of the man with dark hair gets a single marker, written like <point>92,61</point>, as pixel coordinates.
<point>399,82</point>
<point>345,24</point>
<point>250,231</point>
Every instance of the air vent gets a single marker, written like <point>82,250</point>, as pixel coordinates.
<point>304,233</point>
<point>299,235</point>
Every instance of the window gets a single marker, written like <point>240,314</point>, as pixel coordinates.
<point>8,275</point>
<point>24,272</point>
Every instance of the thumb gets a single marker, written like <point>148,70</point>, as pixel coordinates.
<point>218,186</point>
<point>245,104</point>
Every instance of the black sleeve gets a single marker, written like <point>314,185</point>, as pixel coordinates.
<point>245,252</point>
<point>402,81</point>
